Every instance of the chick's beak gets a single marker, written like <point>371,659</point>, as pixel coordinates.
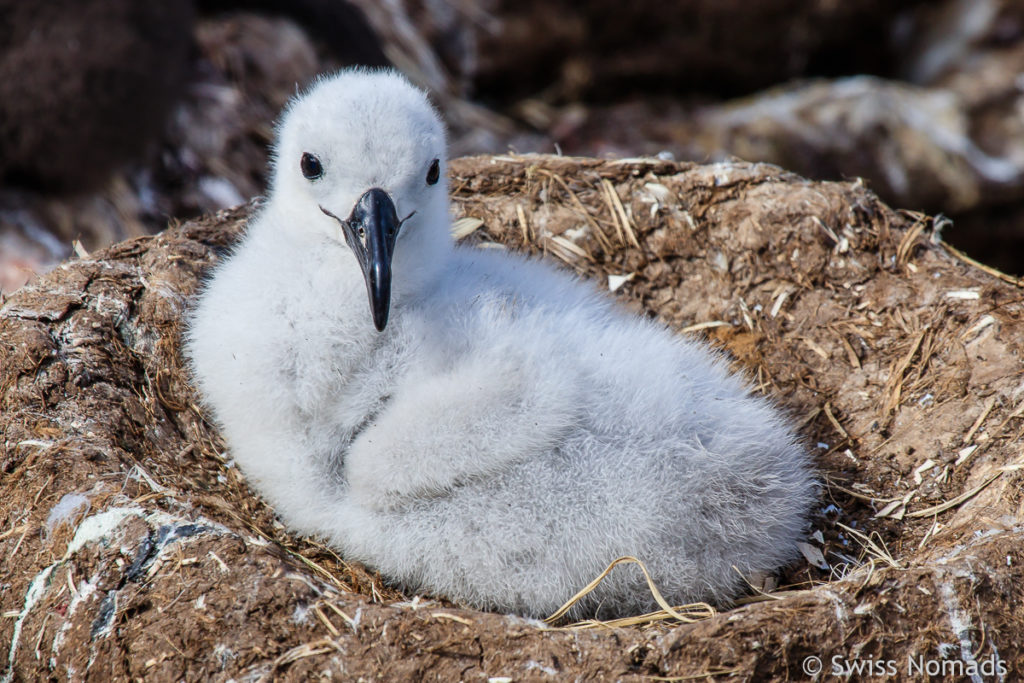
<point>370,231</point>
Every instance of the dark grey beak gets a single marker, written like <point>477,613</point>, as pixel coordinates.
<point>370,231</point>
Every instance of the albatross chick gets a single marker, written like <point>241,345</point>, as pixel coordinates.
<point>471,422</point>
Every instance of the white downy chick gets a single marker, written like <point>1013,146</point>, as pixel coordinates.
<point>488,428</point>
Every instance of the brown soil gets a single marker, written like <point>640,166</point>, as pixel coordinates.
<point>900,361</point>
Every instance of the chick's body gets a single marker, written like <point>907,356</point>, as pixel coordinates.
<point>508,434</point>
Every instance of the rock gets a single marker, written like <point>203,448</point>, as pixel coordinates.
<point>953,148</point>
<point>213,149</point>
<point>900,361</point>
<point>339,26</point>
<point>916,146</point>
<point>80,92</point>
<point>501,51</point>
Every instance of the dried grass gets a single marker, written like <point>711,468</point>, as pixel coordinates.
<point>684,613</point>
<point>873,545</point>
<point>955,502</point>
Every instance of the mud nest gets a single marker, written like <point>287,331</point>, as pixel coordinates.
<point>133,548</point>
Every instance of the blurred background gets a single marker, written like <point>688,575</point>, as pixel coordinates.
<point>119,115</point>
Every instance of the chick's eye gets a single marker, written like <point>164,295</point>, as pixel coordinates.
<point>311,167</point>
<point>434,172</point>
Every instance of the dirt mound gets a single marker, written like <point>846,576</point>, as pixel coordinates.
<point>133,548</point>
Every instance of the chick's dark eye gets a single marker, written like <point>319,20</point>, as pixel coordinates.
<point>434,172</point>
<point>311,166</point>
